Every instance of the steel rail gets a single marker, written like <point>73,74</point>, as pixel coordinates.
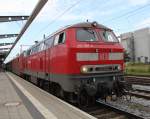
<point>139,95</point>
<point>121,111</point>
<point>138,80</point>
<point>138,77</point>
<point>143,90</point>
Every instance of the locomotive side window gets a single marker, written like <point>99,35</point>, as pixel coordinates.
<point>25,53</point>
<point>48,43</point>
<point>108,36</point>
<point>35,49</point>
<point>86,35</point>
<point>60,38</point>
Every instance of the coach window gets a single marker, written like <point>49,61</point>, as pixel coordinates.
<point>33,50</point>
<point>29,52</point>
<point>41,47</point>
<point>24,53</point>
<point>38,48</point>
<point>59,39</point>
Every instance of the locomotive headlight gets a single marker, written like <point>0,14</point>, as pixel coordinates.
<point>94,24</point>
<point>84,69</point>
<point>119,67</point>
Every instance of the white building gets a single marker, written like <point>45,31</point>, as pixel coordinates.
<point>137,44</point>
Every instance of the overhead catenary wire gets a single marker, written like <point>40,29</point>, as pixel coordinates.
<point>60,15</point>
<point>75,4</point>
<point>127,13</point>
<point>130,13</point>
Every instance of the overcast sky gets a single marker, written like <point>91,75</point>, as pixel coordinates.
<point>112,13</point>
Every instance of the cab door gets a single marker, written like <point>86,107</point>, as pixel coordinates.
<point>59,54</point>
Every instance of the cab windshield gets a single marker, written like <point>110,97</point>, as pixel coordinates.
<point>108,36</point>
<point>86,34</point>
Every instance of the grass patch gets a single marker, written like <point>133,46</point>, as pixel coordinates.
<point>137,69</point>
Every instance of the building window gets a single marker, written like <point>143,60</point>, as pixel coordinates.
<point>146,59</point>
<point>139,59</point>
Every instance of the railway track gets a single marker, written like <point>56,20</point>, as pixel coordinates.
<point>141,93</point>
<point>138,80</point>
<point>104,110</point>
<point>126,114</point>
<point>104,113</point>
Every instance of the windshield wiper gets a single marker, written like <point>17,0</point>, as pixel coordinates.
<point>89,31</point>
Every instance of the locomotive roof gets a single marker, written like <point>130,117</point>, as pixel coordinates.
<point>78,25</point>
<point>88,25</point>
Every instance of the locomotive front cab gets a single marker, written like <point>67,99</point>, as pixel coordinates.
<point>98,60</point>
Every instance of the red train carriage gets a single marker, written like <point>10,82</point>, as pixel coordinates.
<point>84,59</point>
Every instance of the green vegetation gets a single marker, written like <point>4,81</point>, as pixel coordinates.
<point>137,69</point>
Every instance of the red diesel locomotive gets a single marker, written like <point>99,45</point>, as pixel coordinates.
<point>80,61</point>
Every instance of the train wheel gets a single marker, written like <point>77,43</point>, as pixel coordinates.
<point>39,83</point>
<point>28,78</point>
<point>59,92</point>
<point>56,90</point>
<point>83,99</point>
